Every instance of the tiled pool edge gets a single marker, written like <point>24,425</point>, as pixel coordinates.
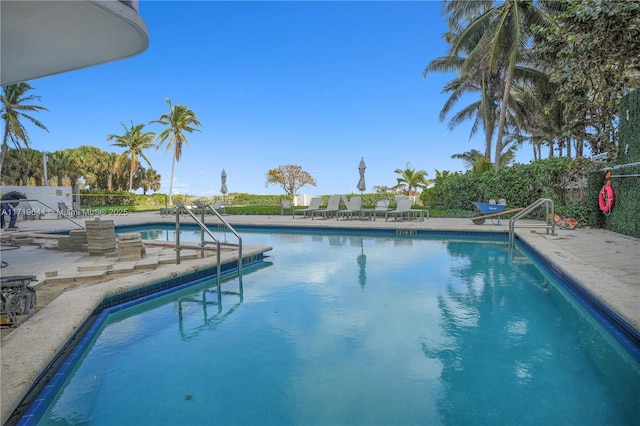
<point>625,333</point>
<point>20,379</point>
<point>37,399</point>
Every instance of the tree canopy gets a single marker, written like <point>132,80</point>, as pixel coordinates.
<point>543,72</point>
<point>15,106</point>
<point>178,121</point>
<point>290,178</point>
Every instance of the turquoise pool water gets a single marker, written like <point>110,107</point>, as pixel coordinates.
<point>358,330</point>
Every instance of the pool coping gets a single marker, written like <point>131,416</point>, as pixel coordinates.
<point>59,324</point>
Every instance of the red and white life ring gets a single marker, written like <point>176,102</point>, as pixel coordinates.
<point>605,199</point>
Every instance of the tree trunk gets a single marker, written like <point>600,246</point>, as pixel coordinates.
<point>579,148</point>
<point>131,177</point>
<point>173,164</point>
<point>503,117</point>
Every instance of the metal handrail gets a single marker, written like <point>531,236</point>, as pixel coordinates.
<point>182,207</point>
<point>50,208</point>
<point>548,203</point>
<point>229,228</point>
<point>204,229</point>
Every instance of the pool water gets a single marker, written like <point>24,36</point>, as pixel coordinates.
<point>358,330</point>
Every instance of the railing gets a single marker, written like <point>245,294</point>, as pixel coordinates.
<point>58,211</point>
<point>205,230</point>
<point>549,217</point>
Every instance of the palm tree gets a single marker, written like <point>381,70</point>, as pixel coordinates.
<point>482,111</point>
<point>14,108</point>
<point>135,141</point>
<point>495,38</point>
<point>150,180</point>
<point>180,119</point>
<point>63,164</point>
<point>411,179</point>
<point>474,160</point>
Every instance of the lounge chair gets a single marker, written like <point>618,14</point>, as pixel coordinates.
<point>354,205</point>
<point>402,209</point>
<point>77,208</point>
<point>399,198</point>
<point>332,207</point>
<point>66,211</point>
<point>285,204</point>
<point>381,208</point>
<point>313,206</point>
<point>201,206</point>
<point>218,205</point>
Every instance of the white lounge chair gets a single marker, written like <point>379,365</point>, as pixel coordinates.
<point>218,205</point>
<point>313,206</point>
<point>402,209</point>
<point>381,208</point>
<point>354,205</point>
<point>332,207</point>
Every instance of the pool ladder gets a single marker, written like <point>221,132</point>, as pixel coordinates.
<point>549,224</point>
<point>203,246</point>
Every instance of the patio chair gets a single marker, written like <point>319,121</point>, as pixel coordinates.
<point>201,206</point>
<point>354,205</point>
<point>66,211</point>
<point>285,204</point>
<point>313,206</point>
<point>332,207</point>
<point>77,208</point>
<point>218,205</point>
<point>402,209</point>
<point>399,198</point>
<point>382,207</point>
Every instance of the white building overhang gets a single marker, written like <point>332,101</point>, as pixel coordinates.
<point>42,38</point>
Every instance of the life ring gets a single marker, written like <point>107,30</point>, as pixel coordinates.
<point>605,199</point>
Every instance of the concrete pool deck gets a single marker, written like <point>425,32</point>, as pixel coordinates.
<point>605,263</point>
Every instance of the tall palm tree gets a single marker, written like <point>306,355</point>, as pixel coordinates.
<point>496,37</point>
<point>411,179</point>
<point>482,111</point>
<point>179,120</point>
<point>135,141</point>
<point>14,107</point>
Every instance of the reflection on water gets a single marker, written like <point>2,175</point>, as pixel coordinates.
<point>345,329</point>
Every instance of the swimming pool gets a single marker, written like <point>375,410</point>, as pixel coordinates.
<point>353,329</point>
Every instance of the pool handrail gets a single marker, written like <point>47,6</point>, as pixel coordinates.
<point>204,229</point>
<point>549,221</point>
<point>229,228</point>
<point>182,207</point>
<point>61,213</point>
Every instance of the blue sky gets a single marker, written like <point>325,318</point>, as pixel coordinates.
<point>317,84</point>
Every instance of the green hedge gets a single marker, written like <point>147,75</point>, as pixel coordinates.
<point>559,179</point>
<point>629,129</point>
